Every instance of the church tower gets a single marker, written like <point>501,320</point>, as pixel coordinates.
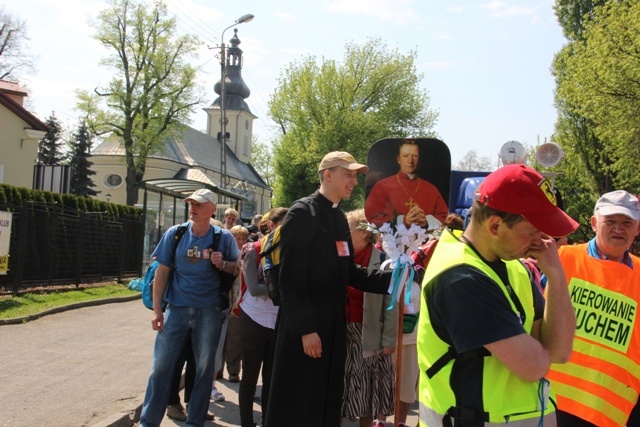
<point>240,119</point>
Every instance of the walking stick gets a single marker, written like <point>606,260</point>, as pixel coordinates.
<point>399,357</point>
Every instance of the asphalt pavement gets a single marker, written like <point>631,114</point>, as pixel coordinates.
<point>89,367</point>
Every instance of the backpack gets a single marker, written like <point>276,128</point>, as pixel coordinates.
<point>226,279</point>
<point>270,254</point>
<point>270,258</point>
<point>242,259</point>
<point>244,253</point>
<point>147,284</point>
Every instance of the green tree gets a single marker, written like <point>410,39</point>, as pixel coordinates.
<point>325,106</point>
<point>587,171</point>
<point>572,15</point>
<point>578,195</point>
<point>153,90</point>
<point>472,162</point>
<point>81,182</point>
<point>13,53</point>
<point>50,147</point>
<point>262,160</point>
<point>603,86</point>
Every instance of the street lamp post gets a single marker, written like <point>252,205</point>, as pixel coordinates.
<point>223,114</point>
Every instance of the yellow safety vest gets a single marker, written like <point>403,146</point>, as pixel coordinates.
<point>601,381</point>
<point>507,399</point>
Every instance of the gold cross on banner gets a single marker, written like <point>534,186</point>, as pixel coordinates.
<point>410,204</point>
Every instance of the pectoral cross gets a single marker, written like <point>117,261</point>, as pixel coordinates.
<point>410,204</point>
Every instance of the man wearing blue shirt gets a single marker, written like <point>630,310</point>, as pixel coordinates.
<point>193,309</point>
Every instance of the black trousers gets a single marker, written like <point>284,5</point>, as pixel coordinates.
<point>634,418</point>
<point>257,346</point>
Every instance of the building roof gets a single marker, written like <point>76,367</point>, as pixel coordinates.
<point>22,113</point>
<point>12,88</point>
<point>181,187</point>
<point>192,149</point>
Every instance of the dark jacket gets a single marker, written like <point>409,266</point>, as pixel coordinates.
<point>313,288</point>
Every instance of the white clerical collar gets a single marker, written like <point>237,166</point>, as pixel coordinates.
<point>335,205</point>
<point>411,176</point>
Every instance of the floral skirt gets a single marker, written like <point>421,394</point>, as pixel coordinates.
<point>368,382</point>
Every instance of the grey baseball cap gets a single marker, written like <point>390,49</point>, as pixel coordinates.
<point>619,202</point>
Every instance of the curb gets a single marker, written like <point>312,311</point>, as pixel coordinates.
<point>125,418</point>
<point>63,308</point>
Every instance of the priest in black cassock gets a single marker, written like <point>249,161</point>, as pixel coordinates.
<point>316,266</point>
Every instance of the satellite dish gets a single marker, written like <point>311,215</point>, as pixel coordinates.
<point>512,152</point>
<point>549,154</point>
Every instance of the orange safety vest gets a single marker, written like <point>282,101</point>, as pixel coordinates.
<point>601,381</point>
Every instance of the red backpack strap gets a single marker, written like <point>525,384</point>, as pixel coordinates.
<point>424,253</point>
<point>427,249</point>
<point>422,257</point>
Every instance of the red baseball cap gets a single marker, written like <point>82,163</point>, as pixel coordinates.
<point>520,190</point>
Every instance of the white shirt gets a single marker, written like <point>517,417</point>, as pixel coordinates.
<point>255,301</point>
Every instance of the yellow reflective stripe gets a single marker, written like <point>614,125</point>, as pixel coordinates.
<point>608,355</point>
<point>592,401</point>
<point>588,374</point>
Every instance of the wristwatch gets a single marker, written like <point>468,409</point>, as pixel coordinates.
<point>224,265</point>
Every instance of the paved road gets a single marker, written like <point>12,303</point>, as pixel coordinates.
<point>76,367</point>
<point>87,367</point>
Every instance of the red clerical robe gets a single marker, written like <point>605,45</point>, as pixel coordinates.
<point>398,193</point>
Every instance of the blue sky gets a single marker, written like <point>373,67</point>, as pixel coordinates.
<point>486,64</point>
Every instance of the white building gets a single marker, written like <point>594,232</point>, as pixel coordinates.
<point>194,160</point>
<point>20,133</point>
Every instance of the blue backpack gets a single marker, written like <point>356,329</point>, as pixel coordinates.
<point>147,283</point>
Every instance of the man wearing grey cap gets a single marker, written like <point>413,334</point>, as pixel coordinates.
<point>316,266</point>
<point>600,384</point>
<point>193,310</point>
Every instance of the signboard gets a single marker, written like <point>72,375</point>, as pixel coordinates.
<point>409,177</point>
<point>5,238</point>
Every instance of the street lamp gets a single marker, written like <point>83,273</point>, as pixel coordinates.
<point>108,197</point>
<point>223,114</point>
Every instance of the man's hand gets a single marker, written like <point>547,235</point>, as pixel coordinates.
<point>159,286</point>
<point>558,325</point>
<point>157,322</point>
<point>388,350</point>
<point>546,253</point>
<point>312,345</point>
<point>415,216</point>
<point>216,259</point>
